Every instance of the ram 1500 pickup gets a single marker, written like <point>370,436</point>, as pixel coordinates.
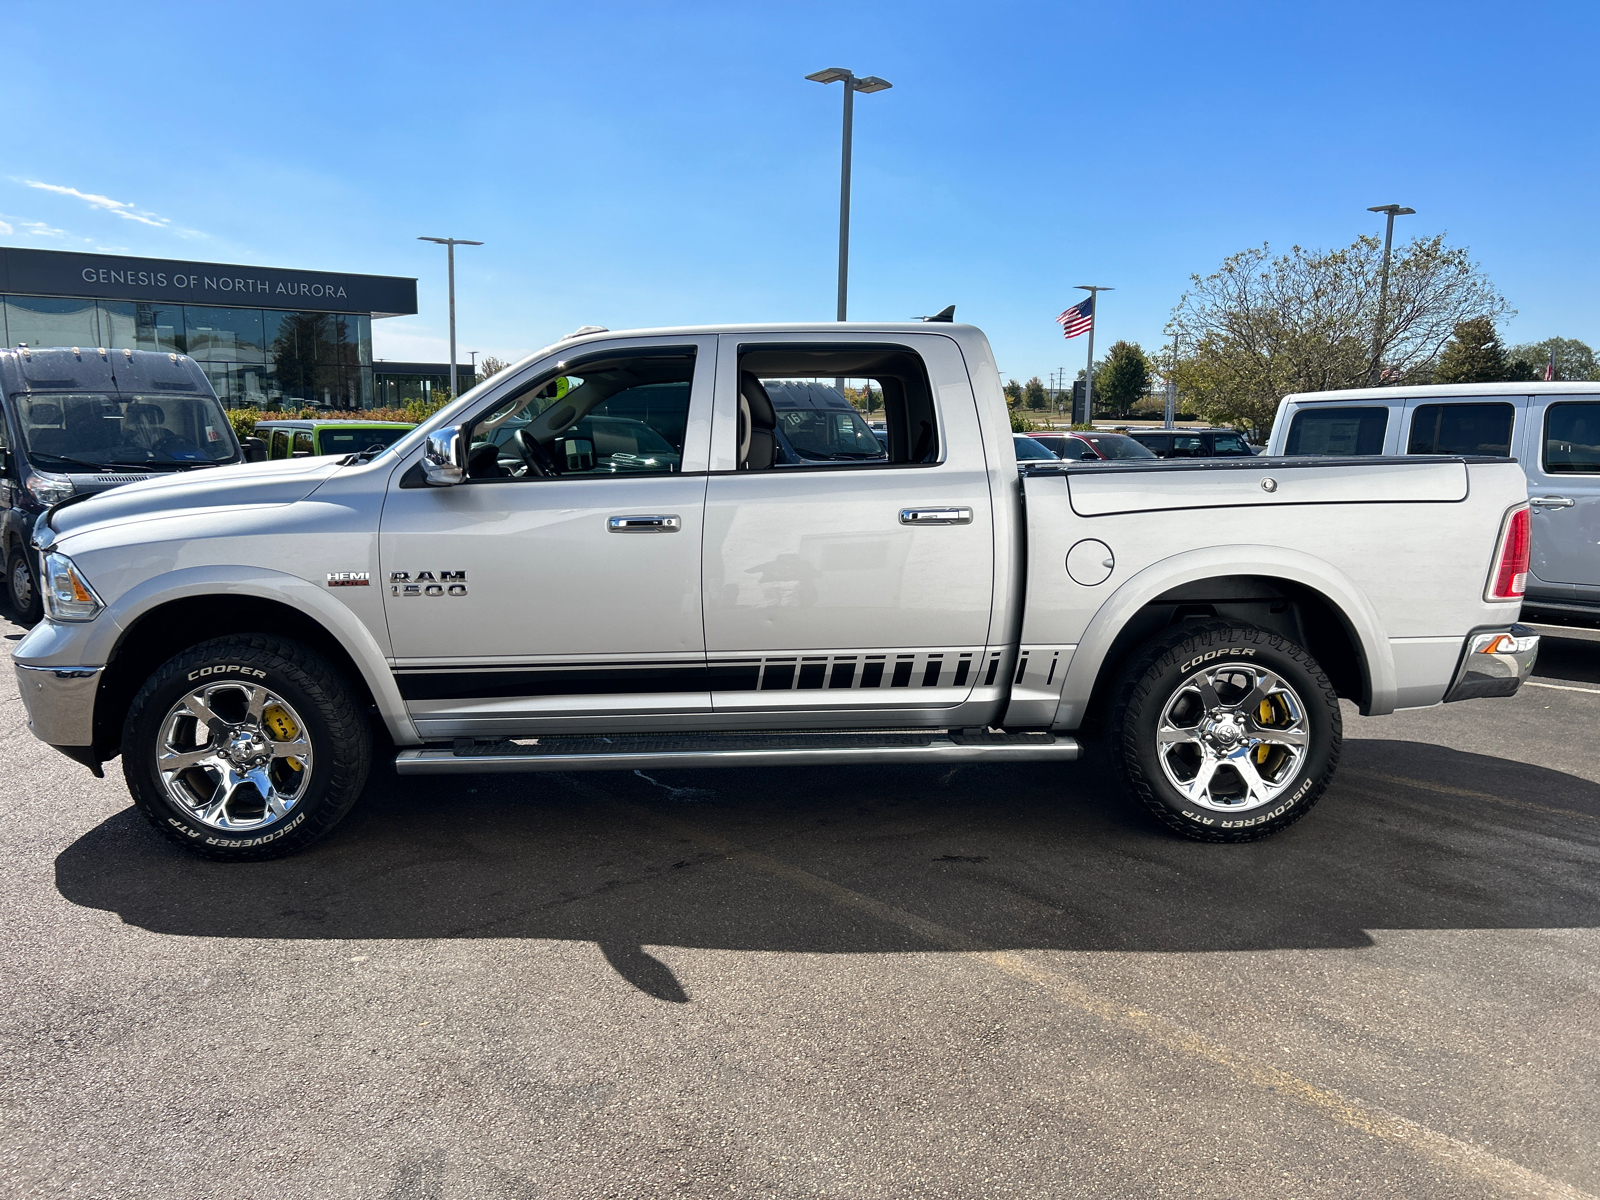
<point>599,560</point>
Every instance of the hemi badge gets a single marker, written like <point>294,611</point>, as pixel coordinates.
<point>349,579</point>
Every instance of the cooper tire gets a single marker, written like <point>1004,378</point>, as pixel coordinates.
<point>1225,732</point>
<point>234,786</point>
<point>22,583</point>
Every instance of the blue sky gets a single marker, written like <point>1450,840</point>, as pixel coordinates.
<point>648,164</point>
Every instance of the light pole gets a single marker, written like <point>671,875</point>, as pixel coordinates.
<point>450,245</point>
<point>1094,290</point>
<point>1172,388</point>
<point>1392,211</point>
<point>852,85</point>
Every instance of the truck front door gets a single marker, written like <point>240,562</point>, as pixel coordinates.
<point>559,586</point>
<point>855,587</point>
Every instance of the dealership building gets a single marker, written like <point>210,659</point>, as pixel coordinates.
<point>263,335</point>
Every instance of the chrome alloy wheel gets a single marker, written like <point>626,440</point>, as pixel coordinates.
<point>234,756</point>
<point>1233,737</point>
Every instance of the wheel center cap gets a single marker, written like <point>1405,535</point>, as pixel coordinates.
<point>1227,731</point>
<point>244,746</point>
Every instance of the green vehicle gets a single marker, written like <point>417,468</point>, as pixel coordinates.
<point>307,439</point>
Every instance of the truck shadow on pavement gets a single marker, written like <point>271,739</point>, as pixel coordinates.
<point>1024,856</point>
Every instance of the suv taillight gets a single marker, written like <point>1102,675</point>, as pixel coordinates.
<point>1510,576</point>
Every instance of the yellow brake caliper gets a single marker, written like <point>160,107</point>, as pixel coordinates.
<point>282,728</point>
<point>1266,716</point>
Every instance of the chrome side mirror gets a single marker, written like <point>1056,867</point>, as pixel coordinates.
<point>444,457</point>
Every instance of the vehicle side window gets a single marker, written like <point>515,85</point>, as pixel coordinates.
<point>302,442</point>
<point>805,407</point>
<point>1572,439</point>
<point>623,413</point>
<point>1154,443</point>
<point>1461,429</point>
<point>1187,445</point>
<point>1341,430</point>
<point>280,444</point>
<point>1229,445</point>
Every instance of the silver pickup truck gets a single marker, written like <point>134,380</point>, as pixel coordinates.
<point>597,560</point>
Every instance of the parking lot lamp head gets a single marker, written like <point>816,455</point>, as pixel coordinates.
<point>852,85</point>
<point>450,245</point>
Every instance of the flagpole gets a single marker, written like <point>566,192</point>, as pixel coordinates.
<point>1094,290</point>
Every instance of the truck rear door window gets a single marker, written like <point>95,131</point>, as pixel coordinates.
<point>1572,439</point>
<point>1341,430</point>
<point>1461,429</point>
<point>809,407</point>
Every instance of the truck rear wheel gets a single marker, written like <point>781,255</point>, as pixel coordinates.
<point>1226,732</point>
<point>245,747</point>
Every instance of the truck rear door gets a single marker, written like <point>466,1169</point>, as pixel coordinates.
<point>850,587</point>
<point>1561,454</point>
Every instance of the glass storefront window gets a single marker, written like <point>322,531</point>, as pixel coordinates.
<point>127,325</point>
<point>265,358</point>
<point>224,334</point>
<point>44,321</point>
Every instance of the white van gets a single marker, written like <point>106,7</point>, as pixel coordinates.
<point>1553,429</point>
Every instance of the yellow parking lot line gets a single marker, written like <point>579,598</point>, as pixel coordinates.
<point>1454,1153</point>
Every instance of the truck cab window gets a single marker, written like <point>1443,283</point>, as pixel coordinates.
<point>625,414</point>
<point>815,406</point>
<point>1337,431</point>
<point>1461,429</point>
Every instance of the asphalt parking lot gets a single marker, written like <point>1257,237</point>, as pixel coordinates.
<point>832,982</point>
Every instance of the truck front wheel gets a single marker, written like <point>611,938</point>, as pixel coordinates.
<point>245,747</point>
<point>24,588</point>
<point>1226,732</point>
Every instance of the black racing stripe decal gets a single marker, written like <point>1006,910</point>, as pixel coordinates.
<point>511,683</point>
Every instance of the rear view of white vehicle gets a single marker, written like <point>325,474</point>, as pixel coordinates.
<point>1552,429</point>
<point>680,548</point>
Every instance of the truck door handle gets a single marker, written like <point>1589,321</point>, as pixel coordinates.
<point>1551,502</point>
<point>936,516</point>
<point>646,524</point>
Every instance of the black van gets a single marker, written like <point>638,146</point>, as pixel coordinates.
<point>78,421</point>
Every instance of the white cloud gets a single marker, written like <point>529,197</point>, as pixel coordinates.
<point>4,228</point>
<point>120,208</point>
<point>40,229</point>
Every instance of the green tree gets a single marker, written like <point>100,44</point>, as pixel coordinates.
<point>1013,391</point>
<point>490,365</point>
<point>1121,381</point>
<point>1574,359</point>
<point>1473,355</point>
<point>1261,326</point>
<point>1034,395</point>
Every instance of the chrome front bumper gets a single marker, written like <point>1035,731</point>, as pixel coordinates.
<point>1495,663</point>
<point>60,702</point>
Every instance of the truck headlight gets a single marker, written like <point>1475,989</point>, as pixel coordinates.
<point>49,489</point>
<point>67,594</point>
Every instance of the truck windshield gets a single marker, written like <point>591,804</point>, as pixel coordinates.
<point>63,431</point>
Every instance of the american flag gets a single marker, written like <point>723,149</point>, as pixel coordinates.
<point>1550,367</point>
<point>1077,319</point>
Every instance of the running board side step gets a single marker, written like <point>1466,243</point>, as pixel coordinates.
<point>624,752</point>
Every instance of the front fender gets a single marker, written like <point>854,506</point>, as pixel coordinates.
<point>93,643</point>
<point>1214,562</point>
